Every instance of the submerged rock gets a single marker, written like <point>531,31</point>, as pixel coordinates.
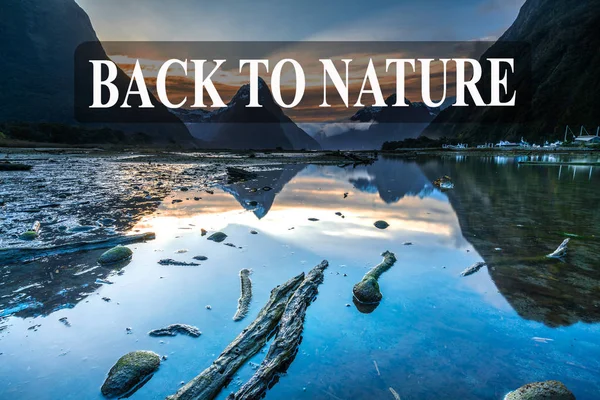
<point>367,290</point>
<point>115,255</point>
<point>130,372</point>
<point>381,224</point>
<point>174,329</point>
<point>548,390</point>
<point>217,237</point>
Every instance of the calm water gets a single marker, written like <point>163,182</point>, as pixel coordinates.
<point>435,334</point>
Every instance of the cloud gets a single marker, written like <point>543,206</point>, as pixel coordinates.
<point>333,128</point>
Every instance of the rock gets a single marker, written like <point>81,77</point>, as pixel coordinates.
<point>28,235</point>
<point>200,258</point>
<point>313,219</point>
<point>444,183</point>
<point>115,255</point>
<point>217,237</point>
<point>174,329</point>
<point>130,372</point>
<point>170,261</point>
<point>203,232</point>
<point>367,290</point>
<point>548,390</point>
<point>381,224</point>
<point>253,232</point>
<point>345,194</point>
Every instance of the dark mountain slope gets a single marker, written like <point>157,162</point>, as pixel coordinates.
<point>389,124</point>
<point>239,127</point>
<point>39,40</point>
<point>564,36</point>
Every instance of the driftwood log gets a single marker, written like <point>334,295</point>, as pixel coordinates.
<point>209,383</point>
<point>289,335</point>
<point>245,296</point>
<point>19,254</point>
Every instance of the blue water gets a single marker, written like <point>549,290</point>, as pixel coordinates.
<point>435,334</point>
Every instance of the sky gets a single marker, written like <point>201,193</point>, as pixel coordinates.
<point>279,20</point>
<point>196,20</point>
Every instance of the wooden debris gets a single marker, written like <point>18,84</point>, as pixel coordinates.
<point>19,254</point>
<point>289,335</point>
<point>245,296</point>
<point>210,381</point>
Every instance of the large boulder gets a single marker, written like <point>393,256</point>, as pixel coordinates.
<point>548,390</point>
<point>129,371</point>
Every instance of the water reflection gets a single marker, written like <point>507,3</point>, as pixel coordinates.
<point>513,215</point>
<point>426,337</point>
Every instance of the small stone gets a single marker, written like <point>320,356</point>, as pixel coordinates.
<point>106,299</point>
<point>313,219</point>
<point>200,258</point>
<point>253,232</point>
<point>381,224</point>
<point>208,307</point>
<point>347,305</point>
<point>217,237</point>
<point>203,232</point>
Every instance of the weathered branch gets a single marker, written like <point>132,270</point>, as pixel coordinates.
<point>207,385</point>
<point>289,335</point>
<point>245,296</point>
<point>560,251</point>
<point>18,254</point>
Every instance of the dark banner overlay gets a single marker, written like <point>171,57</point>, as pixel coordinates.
<point>311,82</point>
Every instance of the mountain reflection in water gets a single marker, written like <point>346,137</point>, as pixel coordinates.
<point>426,338</point>
<point>514,215</point>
